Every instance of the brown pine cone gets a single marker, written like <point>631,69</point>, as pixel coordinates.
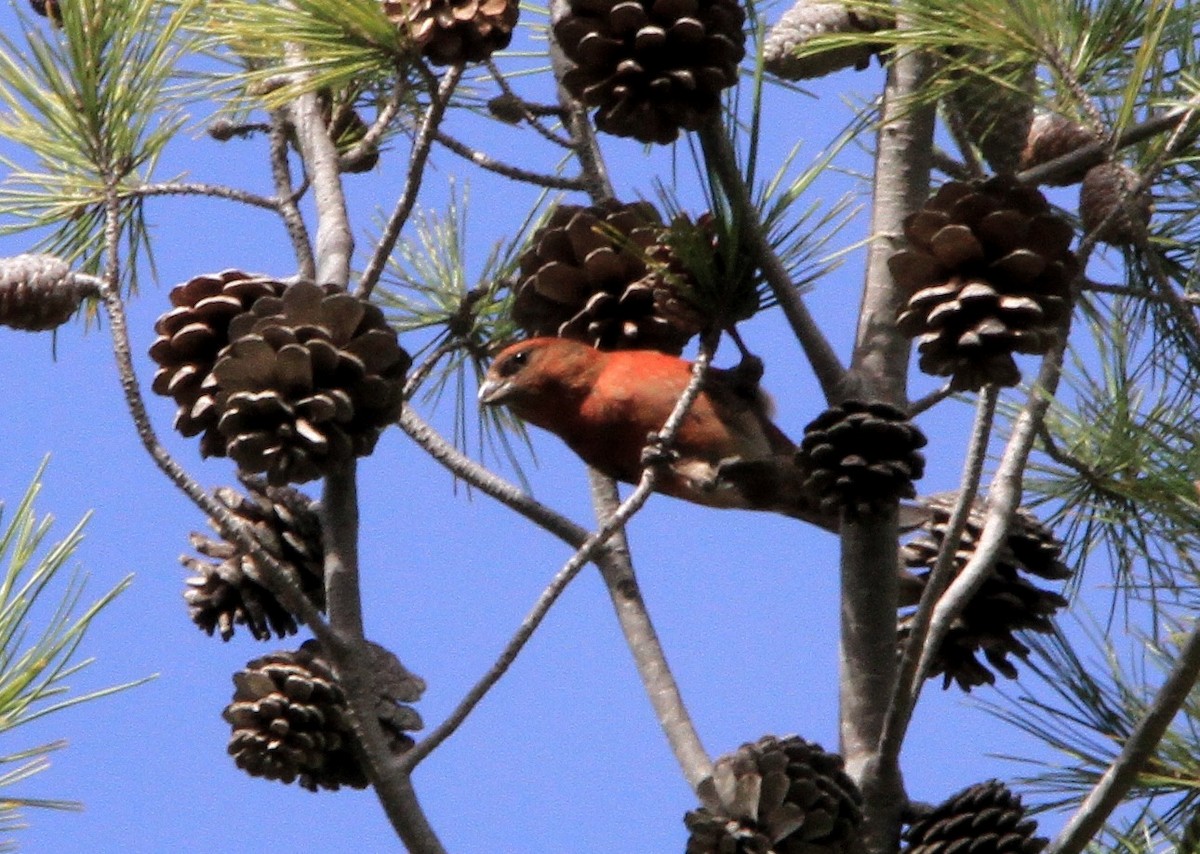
<point>586,276</point>
<point>1112,188</point>
<point>48,9</point>
<point>808,19</point>
<point>989,271</point>
<point>228,589</point>
<point>309,379</point>
<point>289,721</point>
<point>858,456</point>
<point>1052,135</point>
<point>453,31</point>
<point>778,796</point>
<point>1006,602</point>
<point>191,335</point>
<point>986,817</point>
<point>39,292</point>
<point>651,68</point>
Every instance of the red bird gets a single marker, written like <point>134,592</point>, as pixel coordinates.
<point>604,405</point>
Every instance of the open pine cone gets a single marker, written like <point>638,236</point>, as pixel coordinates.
<point>453,31</point>
<point>988,271</point>
<point>857,456</point>
<point>778,796</point>
<point>191,335</point>
<point>1006,602</point>
<point>309,378</point>
<point>651,68</point>
<point>986,817</point>
<point>289,720</point>
<point>39,293</point>
<point>586,276</point>
<point>228,590</point>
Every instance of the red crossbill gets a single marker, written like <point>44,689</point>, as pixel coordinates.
<point>727,453</point>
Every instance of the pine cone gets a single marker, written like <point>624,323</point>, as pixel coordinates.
<point>651,68</point>
<point>1050,136</point>
<point>785,796</point>
<point>453,31</point>
<point>289,721</point>
<point>859,456</point>
<point>191,335</point>
<point>1112,187</point>
<point>996,118</point>
<point>309,378</point>
<point>984,817</point>
<point>228,590</point>
<point>585,276</point>
<point>39,292</point>
<point>346,129</point>
<point>1006,602</point>
<point>989,272</point>
<point>808,19</point>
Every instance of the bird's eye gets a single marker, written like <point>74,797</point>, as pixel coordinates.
<point>513,363</point>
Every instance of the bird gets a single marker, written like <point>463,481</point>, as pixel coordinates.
<point>607,406</point>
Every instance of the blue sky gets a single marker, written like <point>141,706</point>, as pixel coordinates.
<point>564,754</point>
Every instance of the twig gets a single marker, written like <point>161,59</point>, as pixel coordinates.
<point>1137,750</point>
<point>529,115</point>
<point>904,700</point>
<point>821,356</point>
<point>193,188</point>
<point>507,493</point>
<point>485,161</point>
<point>1096,152</point>
<point>1003,498</point>
<point>412,182</point>
<point>373,134</point>
<point>929,401</point>
<point>293,220</point>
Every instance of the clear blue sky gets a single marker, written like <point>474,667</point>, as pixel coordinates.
<point>564,755</point>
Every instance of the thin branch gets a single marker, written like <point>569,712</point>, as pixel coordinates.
<point>412,182</point>
<point>526,113</point>
<point>371,137</point>
<point>821,356</point>
<point>1004,496</point>
<point>516,173</point>
<point>507,493</point>
<point>930,400</point>
<point>908,689</point>
<point>1097,152</point>
<point>1138,749</point>
<point>192,188</point>
<point>281,175</point>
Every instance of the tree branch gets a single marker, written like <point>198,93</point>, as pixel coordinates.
<point>821,356</point>
<point>516,173</point>
<point>904,700</point>
<point>412,183</point>
<point>1137,750</point>
<point>293,220</point>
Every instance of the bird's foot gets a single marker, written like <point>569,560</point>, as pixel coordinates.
<point>656,453</point>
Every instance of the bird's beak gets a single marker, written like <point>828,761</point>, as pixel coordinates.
<point>493,391</point>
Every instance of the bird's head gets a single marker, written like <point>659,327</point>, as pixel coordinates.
<point>539,375</point>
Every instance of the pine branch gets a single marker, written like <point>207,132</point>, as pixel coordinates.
<point>821,356</point>
<point>908,689</point>
<point>442,92</point>
<point>293,220</point>
<point>1089,819</point>
<point>516,173</point>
